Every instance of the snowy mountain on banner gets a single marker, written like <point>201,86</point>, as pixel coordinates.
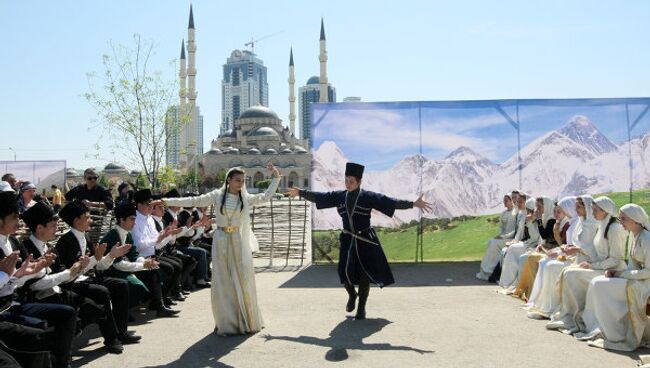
<point>575,159</point>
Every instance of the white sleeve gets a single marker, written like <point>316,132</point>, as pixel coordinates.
<point>51,280</point>
<point>200,201</point>
<point>105,263</point>
<point>164,242</point>
<point>126,266</point>
<point>255,199</point>
<point>4,278</point>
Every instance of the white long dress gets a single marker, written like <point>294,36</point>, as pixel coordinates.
<point>574,281</point>
<point>547,300</point>
<point>539,278</point>
<point>234,295</point>
<point>492,255</point>
<point>616,306</point>
<point>512,262</point>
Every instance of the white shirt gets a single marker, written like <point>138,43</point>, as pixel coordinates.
<point>145,235</point>
<point>125,265</point>
<point>49,284</point>
<point>5,245</point>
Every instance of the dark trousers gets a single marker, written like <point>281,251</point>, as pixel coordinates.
<point>177,274</point>
<point>89,311</point>
<point>151,278</point>
<point>62,317</point>
<point>24,346</point>
<point>189,264</point>
<point>113,295</point>
<point>201,257</point>
<point>171,274</point>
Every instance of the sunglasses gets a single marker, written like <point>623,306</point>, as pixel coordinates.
<point>91,178</point>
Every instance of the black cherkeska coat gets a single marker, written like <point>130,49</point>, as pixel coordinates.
<point>356,255</point>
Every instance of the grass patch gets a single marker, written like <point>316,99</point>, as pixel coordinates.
<point>461,239</point>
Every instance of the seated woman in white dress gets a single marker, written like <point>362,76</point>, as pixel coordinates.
<point>507,231</point>
<point>547,300</point>
<point>615,314</point>
<point>608,252</point>
<point>547,215</point>
<point>566,220</point>
<point>529,240</point>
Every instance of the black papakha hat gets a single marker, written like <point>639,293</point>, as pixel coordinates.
<point>172,194</point>
<point>72,210</point>
<point>352,169</point>
<point>124,210</point>
<point>142,196</point>
<point>8,204</point>
<point>40,213</point>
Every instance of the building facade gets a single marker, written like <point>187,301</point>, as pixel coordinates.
<point>257,138</point>
<point>310,93</point>
<point>244,85</point>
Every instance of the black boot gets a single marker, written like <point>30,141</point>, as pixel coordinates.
<point>352,296</point>
<point>364,290</point>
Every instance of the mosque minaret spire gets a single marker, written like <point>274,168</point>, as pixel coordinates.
<point>324,97</point>
<point>292,95</point>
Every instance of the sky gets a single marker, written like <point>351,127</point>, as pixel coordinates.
<point>378,50</point>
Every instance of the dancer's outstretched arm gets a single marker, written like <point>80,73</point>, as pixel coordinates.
<point>321,199</point>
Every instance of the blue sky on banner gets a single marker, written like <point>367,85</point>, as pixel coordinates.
<point>381,134</point>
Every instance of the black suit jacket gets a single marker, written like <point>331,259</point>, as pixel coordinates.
<point>16,246</point>
<point>69,251</point>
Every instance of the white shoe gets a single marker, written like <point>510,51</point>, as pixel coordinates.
<point>536,315</point>
<point>554,325</point>
<point>481,276</point>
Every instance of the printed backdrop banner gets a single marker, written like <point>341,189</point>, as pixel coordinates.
<point>41,173</point>
<point>465,155</point>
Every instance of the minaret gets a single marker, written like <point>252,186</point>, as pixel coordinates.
<point>292,95</point>
<point>324,97</point>
<point>191,91</point>
<point>182,74</point>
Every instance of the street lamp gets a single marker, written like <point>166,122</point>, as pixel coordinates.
<point>12,150</point>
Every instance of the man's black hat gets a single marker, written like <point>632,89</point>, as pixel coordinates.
<point>352,169</point>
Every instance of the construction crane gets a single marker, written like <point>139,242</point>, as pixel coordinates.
<point>254,41</point>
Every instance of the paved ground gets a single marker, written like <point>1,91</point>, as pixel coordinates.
<point>437,315</point>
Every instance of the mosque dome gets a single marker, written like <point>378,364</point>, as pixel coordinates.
<point>258,112</point>
<point>265,132</point>
<point>114,167</point>
<point>215,151</point>
<point>300,149</point>
<point>313,80</point>
<point>229,133</point>
<point>254,151</point>
<point>270,151</point>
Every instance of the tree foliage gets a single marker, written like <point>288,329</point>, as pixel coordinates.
<point>132,103</point>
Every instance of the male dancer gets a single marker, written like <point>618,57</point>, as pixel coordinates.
<point>361,259</point>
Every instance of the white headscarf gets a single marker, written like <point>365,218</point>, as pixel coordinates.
<point>637,213</point>
<point>606,205</point>
<point>548,209</point>
<point>247,235</point>
<point>5,187</point>
<point>588,201</point>
<point>530,204</point>
<point>568,205</point>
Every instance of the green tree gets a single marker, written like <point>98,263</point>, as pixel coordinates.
<point>103,181</point>
<point>166,175</point>
<point>263,184</point>
<point>132,105</point>
<point>141,182</point>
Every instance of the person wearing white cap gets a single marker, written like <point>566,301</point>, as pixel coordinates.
<point>615,314</point>
<point>507,230</point>
<point>608,252</point>
<point>530,239</point>
<point>547,301</point>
